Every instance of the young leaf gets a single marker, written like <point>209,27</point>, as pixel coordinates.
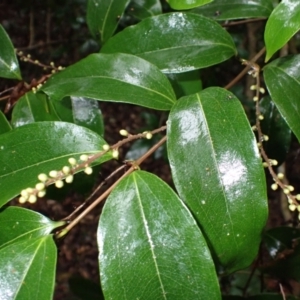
<point>217,171</point>
<point>175,42</point>
<point>187,4</point>
<point>116,78</point>
<point>27,269</point>
<point>103,17</point>
<point>9,66</point>
<point>282,77</point>
<point>36,148</point>
<point>4,124</point>
<point>235,9</point>
<point>283,23</point>
<point>142,9</point>
<point>18,224</point>
<point>150,245</point>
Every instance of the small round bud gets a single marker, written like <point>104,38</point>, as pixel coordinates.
<point>123,132</point>
<point>69,179</point>
<point>290,201</point>
<point>253,87</point>
<point>105,147</point>
<point>72,161</point>
<point>298,197</point>
<point>255,98</point>
<point>88,170</point>
<point>115,153</point>
<point>286,191</point>
<point>298,208</point>
<point>265,164</point>
<point>40,186</point>
<point>42,177</point>
<point>29,190</point>
<point>32,199</point>
<point>262,90</point>
<point>84,157</point>
<point>291,188</point>
<point>24,193</point>
<point>274,162</point>
<point>53,173</point>
<point>52,64</point>
<point>22,199</point>
<point>59,184</point>
<point>258,145</point>
<point>265,137</point>
<point>148,135</point>
<point>41,194</point>
<point>274,186</point>
<point>260,117</point>
<point>254,127</point>
<point>66,170</point>
<point>299,216</point>
<point>280,175</point>
<point>292,207</point>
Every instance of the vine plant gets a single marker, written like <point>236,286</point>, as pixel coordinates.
<point>154,242</point>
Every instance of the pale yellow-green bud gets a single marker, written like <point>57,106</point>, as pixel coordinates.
<point>286,191</point>
<point>265,137</point>
<point>83,157</point>
<point>53,173</point>
<point>123,132</point>
<point>42,177</point>
<point>148,135</point>
<point>32,199</point>
<point>274,162</point>
<point>105,147</point>
<point>291,188</point>
<point>29,190</point>
<point>41,193</point>
<point>265,164</point>
<point>59,184</point>
<point>298,197</point>
<point>24,193</point>
<point>72,161</point>
<point>66,170</point>
<point>22,200</point>
<point>274,186</point>
<point>40,186</point>
<point>262,90</point>
<point>292,207</point>
<point>260,117</point>
<point>69,179</point>
<point>253,87</point>
<point>88,170</point>
<point>115,153</point>
<point>255,98</point>
<point>280,175</point>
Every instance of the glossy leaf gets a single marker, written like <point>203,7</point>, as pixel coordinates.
<point>279,239</point>
<point>275,127</point>
<point>38,148</point>
<point>235,9</point>
<point>282,77</point>
<point>218,172</point>
<point>4,124</point>
<point>116,78</point>
<point>150,245</point>
<point>27,269</point>
<point>9,66</point>
<point>103,17</point>
<point>187,4</point>
<point>32,108</point>
<point>282,24</point>
<point>142,9</point>
<point>175,42</point>
<point>18,224</point>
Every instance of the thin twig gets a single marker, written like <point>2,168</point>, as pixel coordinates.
<point>282,291</point>
<point>108,191</point>
<point>243,22</point>
<point>245,70</point>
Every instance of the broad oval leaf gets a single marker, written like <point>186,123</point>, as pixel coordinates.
<point>27,269</point>
<point>4,124</point>
<point>103,17</point>
<point>175,42</point>
<point>142,9</point>
<point>283,23</point>
<point>41,147</point>
<point>282,77</point>
<point>150,245</point>
<point>236,9</point>
<point>187,4</point>
<point>218,172</point>
<point>35,107</point>
<point>275,127</point>
<point>18,224</point>
<point>9,66</point>
<point>116,78</point>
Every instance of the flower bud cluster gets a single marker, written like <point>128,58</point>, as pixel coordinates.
<point>58,177</point>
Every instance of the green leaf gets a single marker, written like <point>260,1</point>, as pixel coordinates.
<point>274,126</point>
<point>39,148</point>
<point>217,171</point>
<point>150,245</point>
<point>222,10</point>
<point>282,77</point>
<point>18,224</point>
<point>9,66</point>
<point>4,124</point>
<point>103,17</point>
<point>187,4</point>
<point>175,42</point>
<point>116,78</point>
<point>142,9</point>
<point>282,24</point>
<point>32,108</point>
<point>27,269</point>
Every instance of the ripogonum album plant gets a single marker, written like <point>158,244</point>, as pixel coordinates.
<point>155,242</point>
